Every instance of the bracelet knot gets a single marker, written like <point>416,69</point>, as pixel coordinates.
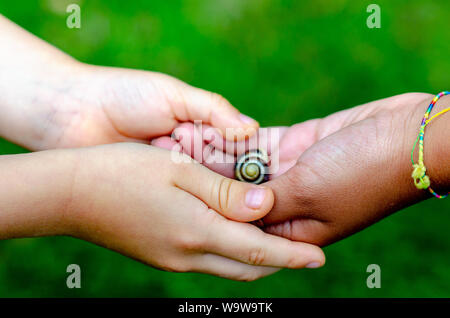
<point>421,180</point>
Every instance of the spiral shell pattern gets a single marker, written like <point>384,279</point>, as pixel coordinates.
<point>252,167</point>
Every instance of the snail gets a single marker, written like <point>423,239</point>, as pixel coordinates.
<point>252,167</point>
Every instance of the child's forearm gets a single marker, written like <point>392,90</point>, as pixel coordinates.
<point>35,193</point>
<point>33,74</point>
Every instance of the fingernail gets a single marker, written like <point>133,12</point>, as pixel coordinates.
<point>246,120</point>
<point>313,265</point>
<point>255,197</point>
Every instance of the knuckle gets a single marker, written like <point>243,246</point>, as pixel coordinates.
<point>219,100</point>
<point>294,261</point>
<point>248,276</point>
<point>257,256</point>
<point>188,242</point>
<point>183,166</point>
<point>182,133</point>
<point>186,159</point>
<point>308,189</point>
<point>304,176</point>
<point>210,221</point>
<point>286,229</point>
<point>223,192</point>
<point>175,266</point>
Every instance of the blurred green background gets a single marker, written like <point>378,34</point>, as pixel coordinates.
<point>281,62</point>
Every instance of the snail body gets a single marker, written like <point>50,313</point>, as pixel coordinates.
<point>252,167</point>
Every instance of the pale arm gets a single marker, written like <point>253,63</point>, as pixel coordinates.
<point>35,190</point>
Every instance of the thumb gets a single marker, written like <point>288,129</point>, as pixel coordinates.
<point>190,103</point>
<point>233,199</point>
<point>297,214</point>
<point>286,191</point>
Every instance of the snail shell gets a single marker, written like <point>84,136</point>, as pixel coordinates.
<point>252,167</point>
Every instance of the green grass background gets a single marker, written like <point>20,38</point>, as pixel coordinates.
<point>282,62</point>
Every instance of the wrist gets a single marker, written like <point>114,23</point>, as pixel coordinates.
<point>36,193</point>
<point>437,148</point>
<point>93,173</point>
<point>37,107</point>
<point>36,81</point>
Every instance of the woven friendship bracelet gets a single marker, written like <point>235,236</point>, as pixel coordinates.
<point>421,180</point>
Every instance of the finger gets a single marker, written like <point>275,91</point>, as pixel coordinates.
<point>246,243</point>
<point>190,139</point>
<point>289,189</point>
<point>205,145</point>
<point>164,142</point>
<point>210,157</point>
<point>303,230</point>
<point>191,103</point>
<point>213,137</point>
<point>227,268</point>
<point>297,139</point>
<point>266,138</point>
<point>233,199</point>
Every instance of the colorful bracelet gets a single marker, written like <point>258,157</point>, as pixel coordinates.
<point>421,180</point>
